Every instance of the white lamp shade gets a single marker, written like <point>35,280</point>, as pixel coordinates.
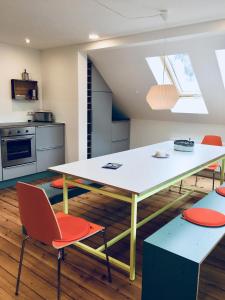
<point>162,96</point>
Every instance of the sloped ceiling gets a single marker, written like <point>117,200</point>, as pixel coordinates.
<point>126,72</point>
<point>51,23</point>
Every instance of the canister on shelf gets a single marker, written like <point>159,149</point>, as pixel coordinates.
<point>25,75</point>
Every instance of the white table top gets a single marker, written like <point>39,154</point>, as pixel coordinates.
<point>140,171</point>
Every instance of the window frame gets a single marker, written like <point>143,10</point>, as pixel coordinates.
<point>221,52</point>
<point>181,107</point>
<point>174,79</point>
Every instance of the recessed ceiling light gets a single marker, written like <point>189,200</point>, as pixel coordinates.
<point>27,41</point>
<point>93,36</point>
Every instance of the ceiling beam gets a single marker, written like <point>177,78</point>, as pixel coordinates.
<point>187,31</point>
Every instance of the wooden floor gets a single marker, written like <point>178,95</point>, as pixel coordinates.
<point>83,276</point>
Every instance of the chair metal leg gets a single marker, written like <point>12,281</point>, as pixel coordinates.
<point>196,180</point>
<point>59,274</point>
<point>107,256</point>
<point>181,183</point>
<point>213,185</point>
<point>63,254</point>
<point>20,264</point>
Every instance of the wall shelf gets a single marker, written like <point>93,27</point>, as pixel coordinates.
<point>23,89</point>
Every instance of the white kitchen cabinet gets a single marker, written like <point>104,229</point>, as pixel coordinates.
<point>120,136</point>
<point>101,123</point>
<point>50,146</point>
<point>19,171</point>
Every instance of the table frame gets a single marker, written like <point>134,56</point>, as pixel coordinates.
<point>133,199</point>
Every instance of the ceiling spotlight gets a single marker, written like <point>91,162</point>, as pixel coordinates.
<point>93,36</point>
<point>27,41</point>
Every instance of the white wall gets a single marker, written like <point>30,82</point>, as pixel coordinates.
<point>145,132</point>
<point>82,105</point>
<point>56,71</point>
<point>60,92</point>
<point>13,61</point>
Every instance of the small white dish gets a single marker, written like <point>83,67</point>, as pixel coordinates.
<point>159,154</point>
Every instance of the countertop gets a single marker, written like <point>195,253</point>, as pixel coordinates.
<point>28,124</point>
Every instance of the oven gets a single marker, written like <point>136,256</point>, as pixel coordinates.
<point>17,146</point>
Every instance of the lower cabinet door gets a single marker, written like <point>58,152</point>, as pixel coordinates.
<point>47,158</point>
<point>119,146</point>
<point>19,171</point>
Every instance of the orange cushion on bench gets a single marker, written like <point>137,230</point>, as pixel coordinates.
<point>221,190</point>
<point>58,183</point>
<point>204,217</point>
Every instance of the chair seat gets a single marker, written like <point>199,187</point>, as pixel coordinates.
<point>213,167</point>
<point>74,229</point>
<point>204,217</point>
<point>58,184</point>
<point>221,191</point>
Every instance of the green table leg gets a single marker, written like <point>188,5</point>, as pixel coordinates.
<point>65,195</point>
<point>222,171</point>
<point>133,233</point>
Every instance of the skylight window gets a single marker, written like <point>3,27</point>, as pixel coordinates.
<point>220,54</point>
<point>179,71</point>
<point>156,65</point>
<point>190,105</point>
<point>180,68</point>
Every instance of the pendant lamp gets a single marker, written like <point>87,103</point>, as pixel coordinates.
<point>162,96</point>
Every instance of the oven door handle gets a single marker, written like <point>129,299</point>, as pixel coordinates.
<point>16,139</point>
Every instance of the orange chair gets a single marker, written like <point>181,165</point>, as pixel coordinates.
<point>58,230</point>
<point>212,140</point>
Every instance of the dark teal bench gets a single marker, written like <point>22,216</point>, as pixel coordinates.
<point>173,255</point>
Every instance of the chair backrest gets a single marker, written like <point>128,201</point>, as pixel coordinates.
<point>36,213</point>
<point>213,140</point>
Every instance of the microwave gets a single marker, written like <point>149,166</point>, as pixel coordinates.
<point>43,116</point>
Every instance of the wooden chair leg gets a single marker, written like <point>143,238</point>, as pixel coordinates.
<point>59,274</point>
<point>20,264</point>
<point>107,256</point>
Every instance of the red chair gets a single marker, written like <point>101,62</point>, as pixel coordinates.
<point>57,230</point>
<point>212,140</point>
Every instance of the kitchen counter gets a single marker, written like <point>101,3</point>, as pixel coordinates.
<point>28,148</point>
<point>28,124</point>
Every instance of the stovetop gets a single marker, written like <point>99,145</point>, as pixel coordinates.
<point>27,124</point>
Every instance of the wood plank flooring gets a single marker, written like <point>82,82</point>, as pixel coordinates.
<point>84,277</point>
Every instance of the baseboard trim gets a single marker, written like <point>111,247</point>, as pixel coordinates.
<point>28,178</point>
